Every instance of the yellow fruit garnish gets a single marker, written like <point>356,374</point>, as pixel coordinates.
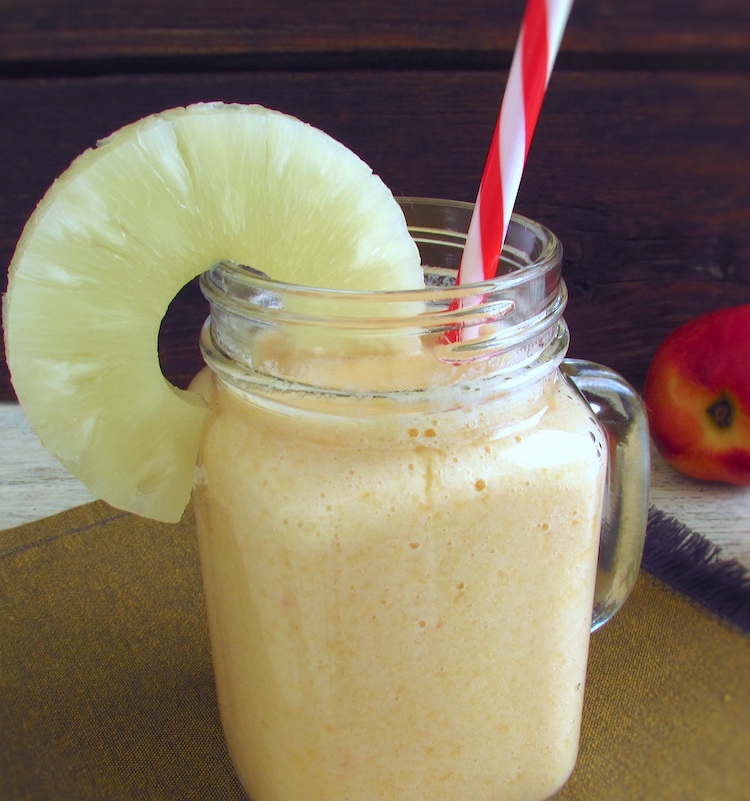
<point>126,227</point>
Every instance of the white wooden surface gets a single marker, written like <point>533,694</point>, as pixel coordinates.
<point>34,485</point>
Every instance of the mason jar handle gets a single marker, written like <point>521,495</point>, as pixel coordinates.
<point>620,412</point>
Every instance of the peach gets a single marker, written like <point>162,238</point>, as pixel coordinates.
<point>697,396</point>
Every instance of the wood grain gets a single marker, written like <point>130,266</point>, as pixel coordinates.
<point>644,177</point>
<point>478,32</point>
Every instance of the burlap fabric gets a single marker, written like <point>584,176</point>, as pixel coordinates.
<point>106,688</point>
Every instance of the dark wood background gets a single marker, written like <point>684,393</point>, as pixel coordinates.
<point>640,164</point>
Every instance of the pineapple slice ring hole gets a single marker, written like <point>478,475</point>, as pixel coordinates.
<point>180,357</point>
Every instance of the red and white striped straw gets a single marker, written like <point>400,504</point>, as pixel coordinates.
<point>538,42</point>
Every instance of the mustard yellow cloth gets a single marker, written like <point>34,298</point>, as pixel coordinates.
<point>106,688</point>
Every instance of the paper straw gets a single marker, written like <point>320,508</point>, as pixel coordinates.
<point>538,42</point>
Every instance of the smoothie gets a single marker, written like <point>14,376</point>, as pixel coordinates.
<point>399,598</point>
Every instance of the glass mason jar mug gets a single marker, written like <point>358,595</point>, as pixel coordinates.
<point>409,521</point>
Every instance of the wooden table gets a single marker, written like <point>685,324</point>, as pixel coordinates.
<point>640,163</point>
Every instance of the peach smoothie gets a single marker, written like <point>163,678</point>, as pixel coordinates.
<point>399,600</point>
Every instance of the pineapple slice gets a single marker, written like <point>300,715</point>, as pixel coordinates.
<point>126,227</point>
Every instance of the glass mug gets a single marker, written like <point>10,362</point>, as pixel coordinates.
<point>409,521</point>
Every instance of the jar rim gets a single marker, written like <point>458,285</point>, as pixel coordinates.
<point>512,322</point>
<point>242,280</point>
